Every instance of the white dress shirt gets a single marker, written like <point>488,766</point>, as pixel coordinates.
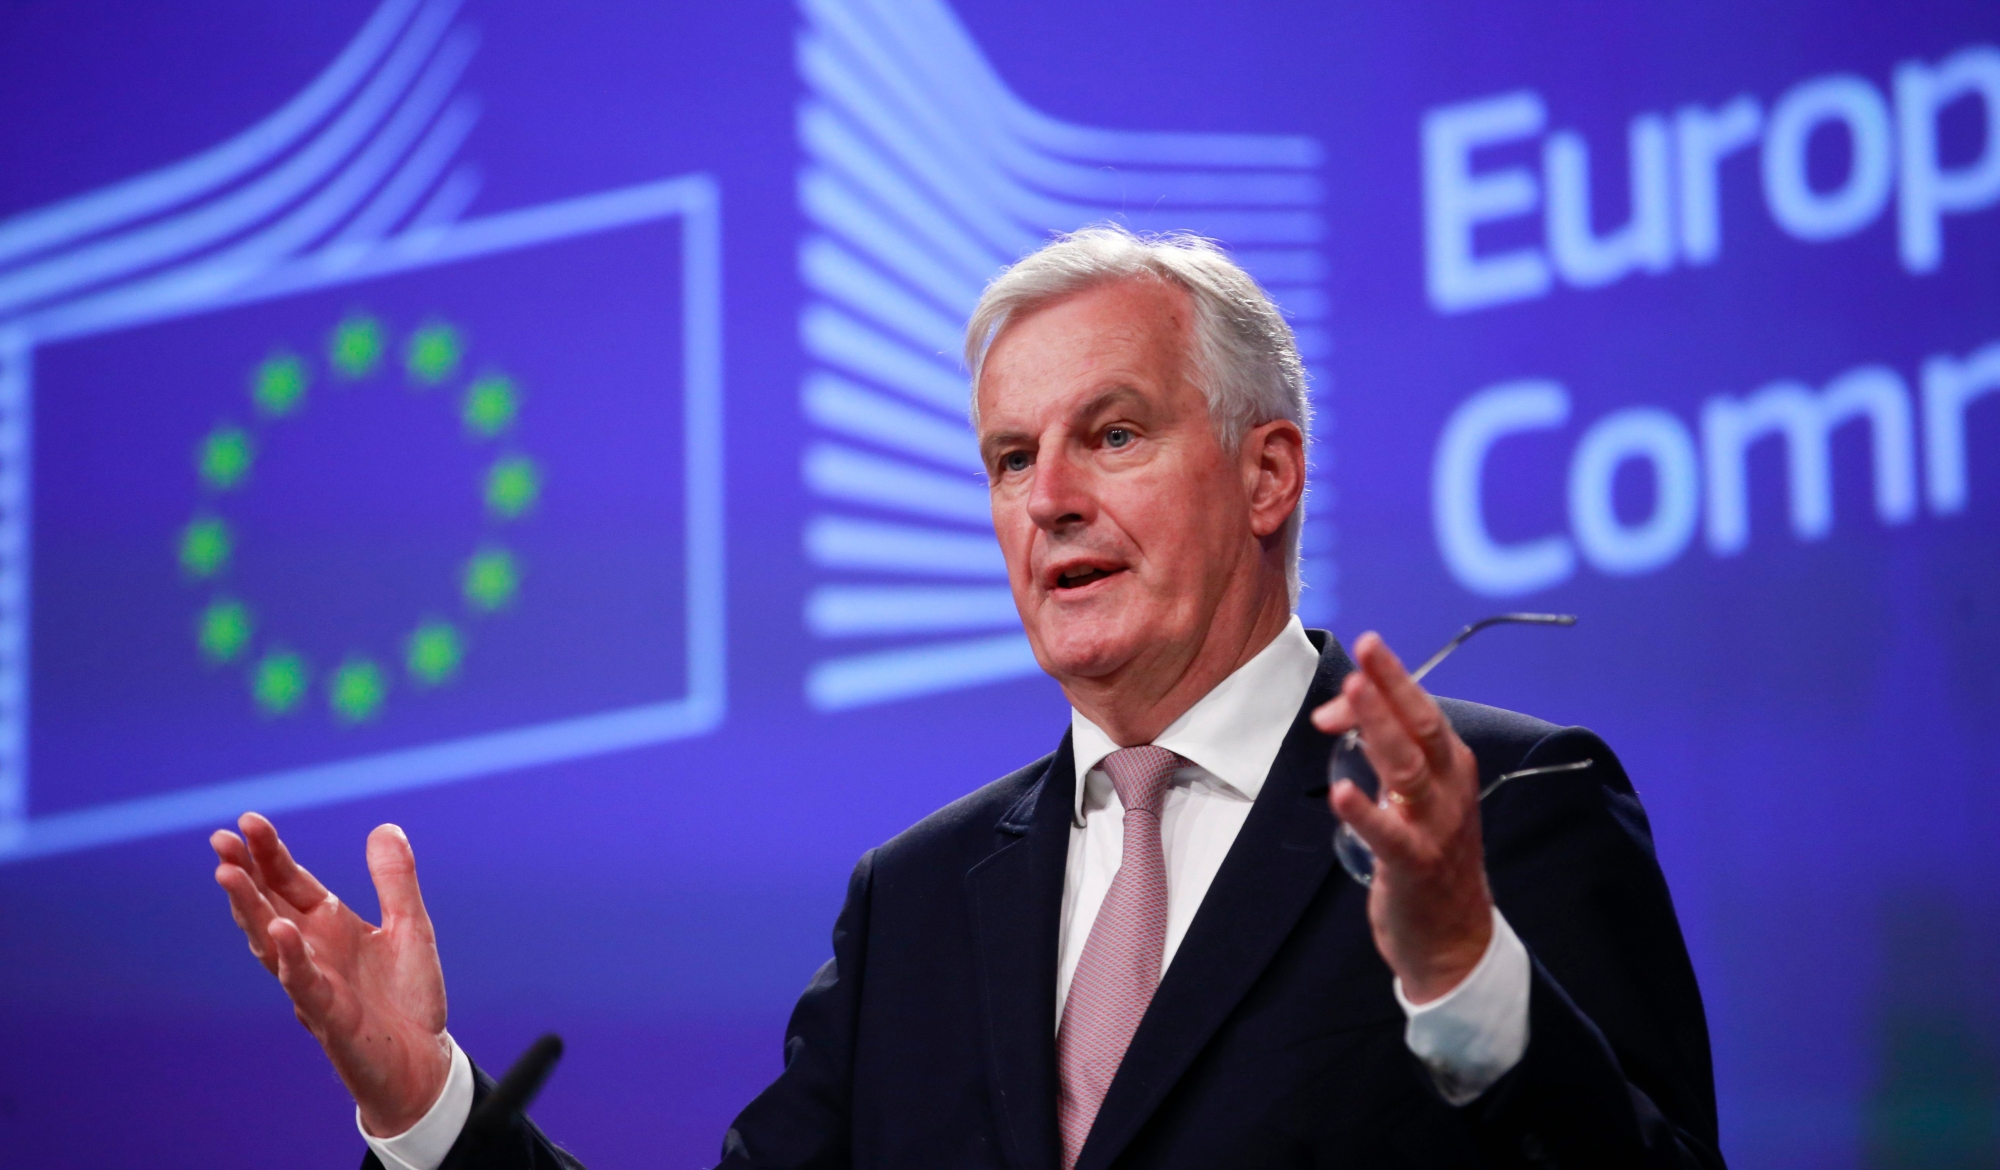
<point>1468,1038</point>
<point>425,1144</point>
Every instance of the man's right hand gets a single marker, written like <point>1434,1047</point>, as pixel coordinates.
<point>372,996</point>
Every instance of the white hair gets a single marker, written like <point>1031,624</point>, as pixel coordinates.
<point>1245,359</point>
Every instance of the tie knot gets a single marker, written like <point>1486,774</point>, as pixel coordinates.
<point>1140,775</point>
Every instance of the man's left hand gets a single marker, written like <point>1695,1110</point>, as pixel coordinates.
<point>1429,906</point>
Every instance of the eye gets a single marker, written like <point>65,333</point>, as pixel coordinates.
<point>1117,437</point>
<point>1015,461</point>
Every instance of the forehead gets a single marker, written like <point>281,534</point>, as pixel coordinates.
<point>1126,333</point>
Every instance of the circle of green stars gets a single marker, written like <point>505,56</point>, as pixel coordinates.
<point>227,630</point>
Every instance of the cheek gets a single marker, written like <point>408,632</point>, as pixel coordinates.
<point>1164,523</point>
<point>1220,502</point>
<point>1014,531</point>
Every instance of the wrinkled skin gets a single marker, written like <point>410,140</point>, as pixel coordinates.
<point>1429,906</point>
<point>1145,558</point>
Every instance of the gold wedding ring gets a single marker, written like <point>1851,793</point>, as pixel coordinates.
<point>1406,799</point>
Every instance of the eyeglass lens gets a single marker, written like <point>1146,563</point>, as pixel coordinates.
<point>1349,761</point>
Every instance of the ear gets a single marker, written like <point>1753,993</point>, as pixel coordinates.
<point>1273,463</point>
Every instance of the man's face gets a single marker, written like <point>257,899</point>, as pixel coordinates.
<point>1124,522</point>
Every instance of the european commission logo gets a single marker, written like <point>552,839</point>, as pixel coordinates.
<point>924,175</point>
<point>330,515</point>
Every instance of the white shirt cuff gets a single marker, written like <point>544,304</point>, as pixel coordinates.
<point>424,1145</point>
<point>1473,1034</point>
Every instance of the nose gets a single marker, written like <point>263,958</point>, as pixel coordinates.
<point>1060,497</point>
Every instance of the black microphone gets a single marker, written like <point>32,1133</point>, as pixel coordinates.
<point>509,1097</point>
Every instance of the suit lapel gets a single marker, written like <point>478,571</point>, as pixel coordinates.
<point>1016,904</point>
<point>1278,863</point>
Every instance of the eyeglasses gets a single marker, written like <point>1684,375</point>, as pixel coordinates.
<point>1349,762</point>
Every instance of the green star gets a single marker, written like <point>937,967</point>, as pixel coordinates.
<point>224,630</point>
<point>492,578</point>
<point>512,486</point>
<point>279,386</point>
<point>434,353</point>
<point>356,690</point>
<point>205,546</point>
<point>224,457</point>
<point>490,406</point>
<point>433,653</point>
<point>278,682</point>
<point>356,346</point>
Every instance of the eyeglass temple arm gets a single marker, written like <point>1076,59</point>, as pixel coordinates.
<point>1503,619</point>
<point>1573,766</point>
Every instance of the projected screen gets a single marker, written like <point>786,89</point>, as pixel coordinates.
<point>544,431</point>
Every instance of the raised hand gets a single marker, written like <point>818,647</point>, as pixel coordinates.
<point>1429,906</point>
<point>372,996</point>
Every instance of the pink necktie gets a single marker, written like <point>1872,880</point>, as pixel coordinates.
<point>1120,966</point>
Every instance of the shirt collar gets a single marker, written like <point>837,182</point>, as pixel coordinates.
<point>1234,731</point>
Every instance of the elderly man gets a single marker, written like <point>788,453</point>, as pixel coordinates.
<point>1138,950</point>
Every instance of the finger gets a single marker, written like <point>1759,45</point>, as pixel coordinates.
<point>1397,759</point>
<point>1412,705</point>
<point>393,865</point>
<point>246,905</point>
<point>231,849</point>
<point>283,876</point>
<point>1391,837</point>
<point>228,847</point>
<point>308,988</point>
<point>252,913</point>
<point>1334,716</point>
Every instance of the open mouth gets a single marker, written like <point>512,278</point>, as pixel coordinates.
<point>1082,575</point>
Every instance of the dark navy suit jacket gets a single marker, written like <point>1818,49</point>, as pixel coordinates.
<point>1274,1040</point>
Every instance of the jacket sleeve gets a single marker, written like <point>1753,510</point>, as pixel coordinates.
<point>520,1146</point>
<point>1617,1070</point>
<point>802,1121</point>
<point>799,1123</point>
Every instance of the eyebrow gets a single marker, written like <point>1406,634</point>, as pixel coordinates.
<point>991,444</point>
<point>1108,397</point>
<point>1096,404</point>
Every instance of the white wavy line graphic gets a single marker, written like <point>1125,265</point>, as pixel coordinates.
<point>146,194</point>
<point>925,174</point>
<point>346,158</point>
<point>317,186</point>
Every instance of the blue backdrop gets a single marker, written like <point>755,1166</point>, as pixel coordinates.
<point>543,431</point>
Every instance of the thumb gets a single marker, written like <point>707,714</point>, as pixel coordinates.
<point>393,865</point>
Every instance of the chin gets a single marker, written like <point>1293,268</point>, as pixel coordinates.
<point>1087,648</point>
